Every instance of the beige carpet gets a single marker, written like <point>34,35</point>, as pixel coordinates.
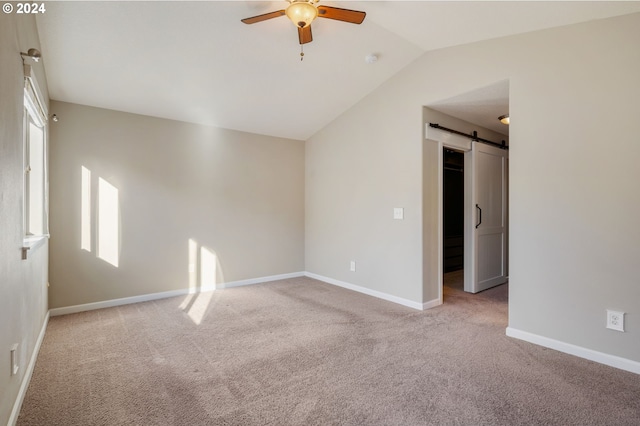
<point>301,352</point>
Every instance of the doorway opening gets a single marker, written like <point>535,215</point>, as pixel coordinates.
<point>465,142</point>
<point>453,219</point>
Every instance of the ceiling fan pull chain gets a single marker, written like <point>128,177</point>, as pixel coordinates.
<point>301,52</point>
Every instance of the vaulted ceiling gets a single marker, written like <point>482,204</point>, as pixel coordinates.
<point>196,62</point>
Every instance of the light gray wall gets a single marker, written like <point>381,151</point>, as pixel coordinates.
<point>574,100</point>
<point>23,283</point>
<point>238,195</point>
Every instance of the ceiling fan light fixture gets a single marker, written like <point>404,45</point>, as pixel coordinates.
<point>504,119</point>
<point>301,13</point>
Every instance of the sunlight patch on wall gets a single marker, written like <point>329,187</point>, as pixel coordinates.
<point>85,210</point>
<point>208,267</point>
<point>203,276</point>
<point>203,267</point>
<point>108,223</point>
<point>99,217</point>
<point>193,264</point>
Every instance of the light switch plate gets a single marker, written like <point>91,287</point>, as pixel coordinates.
<point>398,213</point>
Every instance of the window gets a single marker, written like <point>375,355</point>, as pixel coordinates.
<point>35,159</point>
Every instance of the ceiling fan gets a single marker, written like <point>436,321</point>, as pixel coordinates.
<point>303,12</point>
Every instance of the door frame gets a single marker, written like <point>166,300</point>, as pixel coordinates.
<point>458,143</point>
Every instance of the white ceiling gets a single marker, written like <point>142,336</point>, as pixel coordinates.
<point>196,62</point>
<point>482,106</point>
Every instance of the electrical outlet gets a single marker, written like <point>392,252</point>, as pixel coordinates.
<point>352,266</point>
<point>615,320</point>
<point>14,360</point>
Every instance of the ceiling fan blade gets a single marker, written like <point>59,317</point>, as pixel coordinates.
<point>304,34</point>
<point>264,17</point>
<point>346,15</point>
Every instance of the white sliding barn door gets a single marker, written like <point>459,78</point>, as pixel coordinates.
<point>485,258</point>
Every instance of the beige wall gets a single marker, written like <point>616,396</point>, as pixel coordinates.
<point>187,194</point>
<point>574,98</point>
<point>358,169</point>
<point>23,283</point>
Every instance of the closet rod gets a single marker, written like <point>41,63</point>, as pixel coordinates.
<point>473,136</point>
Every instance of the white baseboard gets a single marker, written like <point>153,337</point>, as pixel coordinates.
<point>374,293</point>
<point>260,280</point>
<point>579,351</point>
<point>182,292</point>
<point>123,301</point>
<point>431,304</point>
<point>26,379</point>
<point>165,294</point>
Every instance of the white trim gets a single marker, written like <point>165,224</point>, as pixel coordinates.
<point>123,301</point>
<point>26,379</point>
<point>441,221</point>
<point>182,292</point>
<point>579,351</point>
<point>375,293</point>
<point>30,78</point>
<point>260,280</point>
<point>31,242</point>
<point>165,294</point>
<point>452,141</point>
<point>448,139</point>
<point>432,303</point>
